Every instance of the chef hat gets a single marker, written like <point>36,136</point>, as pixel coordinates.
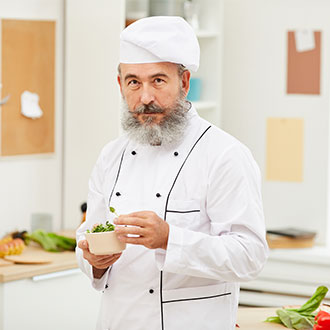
<point>160,39</point>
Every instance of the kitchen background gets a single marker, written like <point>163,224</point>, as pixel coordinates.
<point>243,76</point>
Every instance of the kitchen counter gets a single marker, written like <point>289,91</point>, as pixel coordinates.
<point>252,318</point>
<point>55,294</point>
<point>249,318</point>
<point>59,261</point>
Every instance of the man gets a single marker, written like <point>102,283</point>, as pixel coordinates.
<point>188,194</point>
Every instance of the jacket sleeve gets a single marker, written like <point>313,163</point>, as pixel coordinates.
<point>96,210</point>
<point>235,247</point>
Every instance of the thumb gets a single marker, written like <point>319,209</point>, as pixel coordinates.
<point>83,244</point>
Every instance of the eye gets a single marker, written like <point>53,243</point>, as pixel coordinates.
<point>133,83</point>
<point>159,81</point>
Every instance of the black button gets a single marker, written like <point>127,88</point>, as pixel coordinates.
<point>118,193</point>
<point>158,195</point>
<point>106,286</point>
<point>133,153</point>
<point>151,291</point>
<point>176,153</point>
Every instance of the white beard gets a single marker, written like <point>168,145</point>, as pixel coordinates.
<point>169,130</point>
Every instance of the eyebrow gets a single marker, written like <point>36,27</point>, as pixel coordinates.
<point>159,74</point>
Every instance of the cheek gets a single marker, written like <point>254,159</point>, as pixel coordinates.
<point>131,99</point>
<point>169,97</point>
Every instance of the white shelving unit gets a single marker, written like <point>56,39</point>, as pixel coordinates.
<point>289,277</point>
<point>210,36</point>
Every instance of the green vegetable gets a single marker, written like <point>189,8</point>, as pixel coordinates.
<point>300,318</point>
<point>314,302</point>
<point>63,242</point>
<point>112,210</point>
<point>294,320</point>
<point>102,228</point>
<point>273,319</point>
<point>52,242</point>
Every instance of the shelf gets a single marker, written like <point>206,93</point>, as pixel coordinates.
<point>204,105</point>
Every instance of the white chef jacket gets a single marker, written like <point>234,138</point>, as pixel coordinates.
<point>207,187</point>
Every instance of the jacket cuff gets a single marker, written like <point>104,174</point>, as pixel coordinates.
<point>100,283</point>
<point>169,259</point>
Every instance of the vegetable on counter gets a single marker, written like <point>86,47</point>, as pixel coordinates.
<point>301,318</point>
<point>15,242</point>
<point>10,246</point>
<point>51,242</point>
<point>322,320</point>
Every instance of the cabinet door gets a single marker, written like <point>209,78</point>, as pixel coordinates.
<point>63,300</point>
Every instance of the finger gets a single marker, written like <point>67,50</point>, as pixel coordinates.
<point>106,263</point>
<point>130,221</point>
<point>132,240</point>
<point>83,244</point>
<point>105,258</point>
<point>121,231</point>
<point>141,214</point>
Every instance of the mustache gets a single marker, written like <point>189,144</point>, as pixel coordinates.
<point>148,109</point>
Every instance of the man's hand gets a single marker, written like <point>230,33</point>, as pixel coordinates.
<point>100,263</point>
<point>152,231</point>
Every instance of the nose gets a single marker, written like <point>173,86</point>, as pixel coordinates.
<point>147,95</point>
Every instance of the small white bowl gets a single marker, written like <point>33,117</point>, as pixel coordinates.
<point>104,243</point>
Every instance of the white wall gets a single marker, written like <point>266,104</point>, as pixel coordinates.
<point>91,93</point>
<point>255,49</point>
<point>30,184</point>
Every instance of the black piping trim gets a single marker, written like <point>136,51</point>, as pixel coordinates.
<point>166,205</point>
<point>168,196</point>
<point>189,211</point>
<point>161,298</point>
<point>119,168</point>
<point>198,298</point>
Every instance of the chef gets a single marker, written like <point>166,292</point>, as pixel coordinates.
<point>187,194</point>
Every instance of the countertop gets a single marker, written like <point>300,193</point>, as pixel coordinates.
<point>248,318</point>
<point>252,318</point>
<point>59,261</point>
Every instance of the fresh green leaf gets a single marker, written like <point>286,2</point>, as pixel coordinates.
<point>314,302</point>
<point>99,228</point>
<point>112,210</point>
<point>40,236</point>
<point>300,318</point>
<point>273,319</point>
<point>294,320</point>
<point>284,317</point>
<point>52,242</point>
<point>63,242</point>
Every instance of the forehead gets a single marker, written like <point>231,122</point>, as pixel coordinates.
<point>148,69</point>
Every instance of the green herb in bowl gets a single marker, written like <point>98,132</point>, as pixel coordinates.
<point>99,228</point>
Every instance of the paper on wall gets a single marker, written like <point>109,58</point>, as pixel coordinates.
<point>285,149</point>
<point>305,40</point>
<point>30,105</point>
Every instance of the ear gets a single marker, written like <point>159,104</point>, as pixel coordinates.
<point>119,83</point>
<point>185,81</point>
